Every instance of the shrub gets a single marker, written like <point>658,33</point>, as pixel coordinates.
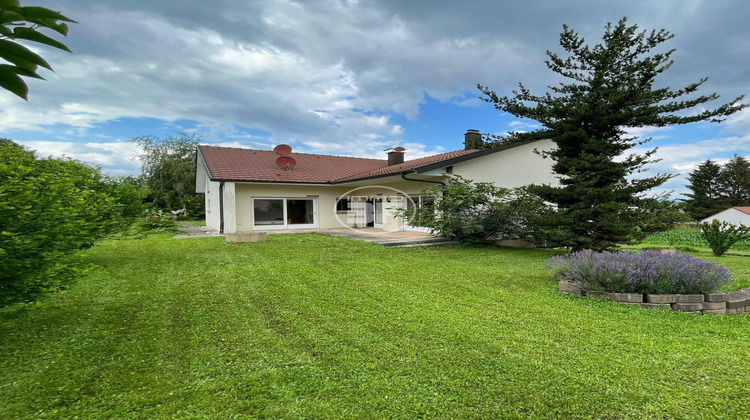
<point>476,213</point>
<point>720,236</point>
<point>647,272</point>
<point>155,221</point>
<point>49,208</point>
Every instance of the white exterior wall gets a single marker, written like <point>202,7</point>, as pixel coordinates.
<point>230,219</point>
<point>213,218</point>
<point>326,202</point>
<point>730,215</point>
<point>511,168</point>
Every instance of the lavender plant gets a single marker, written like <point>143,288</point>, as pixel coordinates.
<point>647,272</point>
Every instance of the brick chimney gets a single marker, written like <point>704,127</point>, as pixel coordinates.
<point>473,140</point>
<point>395,155</point>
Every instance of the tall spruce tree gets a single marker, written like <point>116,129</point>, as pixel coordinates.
<point>734,181</point>
<point>611,89</point>
<point>706,197</point>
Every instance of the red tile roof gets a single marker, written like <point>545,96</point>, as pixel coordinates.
<point>227,163</point>
<point>409,165</point>
<point>745,210</point>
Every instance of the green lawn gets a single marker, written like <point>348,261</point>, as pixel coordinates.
<point>309,326</point>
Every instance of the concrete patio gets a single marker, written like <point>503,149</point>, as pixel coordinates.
<point>378,236</point>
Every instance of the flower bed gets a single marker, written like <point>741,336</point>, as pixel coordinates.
<point>645,273</point>
<point>650,280</point>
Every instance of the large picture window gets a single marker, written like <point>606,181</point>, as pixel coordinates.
<point>284,213</point>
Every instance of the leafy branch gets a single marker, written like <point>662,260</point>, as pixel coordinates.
<point>23,23</point>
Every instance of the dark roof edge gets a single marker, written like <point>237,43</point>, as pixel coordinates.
<point>261,181</point>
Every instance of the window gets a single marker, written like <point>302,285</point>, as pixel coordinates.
<point>268,212</point>
<point>300,212</point>
<point>284,213</point>
<point>343,204</point>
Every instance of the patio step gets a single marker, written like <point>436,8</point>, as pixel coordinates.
<point>418,242</point>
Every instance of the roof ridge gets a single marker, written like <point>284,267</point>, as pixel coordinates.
<point>293,153</point>
<point>408,162</point>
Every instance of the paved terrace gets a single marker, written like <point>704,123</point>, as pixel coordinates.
<point>377,236</point>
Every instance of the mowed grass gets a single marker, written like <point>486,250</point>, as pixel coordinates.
<point>310,326</point>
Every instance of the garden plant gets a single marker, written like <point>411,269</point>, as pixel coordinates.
<point>645,272</point>
<point>720,236</point>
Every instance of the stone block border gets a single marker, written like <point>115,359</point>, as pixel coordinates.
<point>247,237</point>
<point>736,302</point>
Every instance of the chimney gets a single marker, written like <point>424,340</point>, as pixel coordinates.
<point>473,140</point>
<point>395,155</point>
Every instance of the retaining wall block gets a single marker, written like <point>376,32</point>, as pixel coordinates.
<point>689,298</point>
<point>247,237</point>
<point>688,307</point>
<point>568,287</point>
<point>735,310</point>
<point>654,305</point>
<point>626,297</point>
<point>714,305</point>
<point>736,303</point>
<point>715,297</point>
<point>661,298</point>
<point>714,311</point>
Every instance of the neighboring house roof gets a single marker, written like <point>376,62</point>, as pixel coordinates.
<point>248,165</point>
<point>745,210</point>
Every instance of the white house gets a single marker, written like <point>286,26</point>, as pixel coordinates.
<point>733,215</point>
<point>251,190</point>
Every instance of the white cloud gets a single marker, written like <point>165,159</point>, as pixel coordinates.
<point>334,76</point>
<point>115,158</point>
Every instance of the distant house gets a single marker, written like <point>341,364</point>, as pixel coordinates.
<point>251,190</point>
<point>733,215</point>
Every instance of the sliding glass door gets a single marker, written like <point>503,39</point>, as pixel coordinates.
<point>284,213</point>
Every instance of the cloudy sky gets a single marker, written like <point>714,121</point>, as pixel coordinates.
<point>348,77</point>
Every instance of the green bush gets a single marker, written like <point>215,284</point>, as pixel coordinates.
<point>49,208</point>
<point>155,221</point>
<point>476,213</point>
<point>720,236</point>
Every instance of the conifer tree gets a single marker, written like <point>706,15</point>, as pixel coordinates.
<point>706,197</point>
<point>610,89</point>
<point>734,181</point>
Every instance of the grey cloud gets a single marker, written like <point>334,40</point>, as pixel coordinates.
<point>334,65</point>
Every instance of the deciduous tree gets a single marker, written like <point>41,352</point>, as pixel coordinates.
<point>168,166</point>
<point>609,88</point>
